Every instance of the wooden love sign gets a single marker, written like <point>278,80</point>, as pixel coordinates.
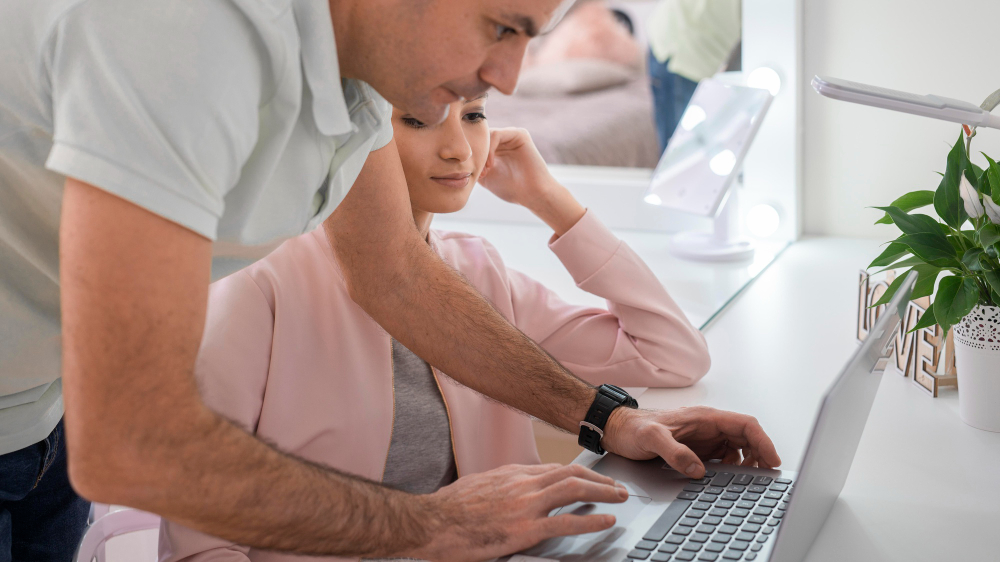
<point>924,353</point>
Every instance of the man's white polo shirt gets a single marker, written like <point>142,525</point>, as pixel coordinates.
<point>228,117</point>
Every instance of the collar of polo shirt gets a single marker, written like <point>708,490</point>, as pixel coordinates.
<point>322,71</point>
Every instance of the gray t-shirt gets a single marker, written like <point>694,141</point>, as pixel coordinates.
<point>420,458</point>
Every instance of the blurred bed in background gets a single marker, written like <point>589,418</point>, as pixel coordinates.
<point>584,93</point>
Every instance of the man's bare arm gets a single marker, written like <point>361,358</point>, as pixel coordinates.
<point>427,306</point>
<point>134,294</point>
<point>433,311</point>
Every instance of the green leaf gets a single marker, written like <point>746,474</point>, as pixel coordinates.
<point>972,172</point>
<point>909,202</point>
<point>912,224</point>
<point>971,259</point>
<point>891,289</point>
<point>956,243</point>
<point>989,235</point>
<point>956,297</point>
<point>993,279</point>
<point>932,248</point>
<point>984,183</point>
<point>908,262</point>
<point>947,199</point>
<point>926,320</point>
<point>892,252</point>
<point>993,173</point>
<point>926,279</point>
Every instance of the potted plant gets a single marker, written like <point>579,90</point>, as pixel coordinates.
<point>962,249</point>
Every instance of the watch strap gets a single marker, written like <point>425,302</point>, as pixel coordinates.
<point>608,398</point>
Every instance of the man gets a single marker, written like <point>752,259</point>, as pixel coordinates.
<point>133,135</point>
<point>689,40</point>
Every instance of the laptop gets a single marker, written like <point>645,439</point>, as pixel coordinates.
<point>739,513</point>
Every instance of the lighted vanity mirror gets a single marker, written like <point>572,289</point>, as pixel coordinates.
<point>705,153</point>
<point>601,143</point>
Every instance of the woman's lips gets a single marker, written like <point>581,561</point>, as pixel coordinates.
<point>457,181</point>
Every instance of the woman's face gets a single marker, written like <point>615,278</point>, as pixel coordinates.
<point>442,162</point>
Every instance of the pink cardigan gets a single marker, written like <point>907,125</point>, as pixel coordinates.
<point>283,337</point>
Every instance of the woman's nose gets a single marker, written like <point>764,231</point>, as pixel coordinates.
<point>454,146</point>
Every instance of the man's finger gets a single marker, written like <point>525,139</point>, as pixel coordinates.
<point>536,469</point>
<point>742,429</point>
<point>574,489</point>
<point>550,477</point>
<point>677,455</point>
<point>569,524</point>
<point>731,456</point>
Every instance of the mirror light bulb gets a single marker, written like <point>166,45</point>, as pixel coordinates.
<point>766,78</point>
<point>693,116</point>
<point>722,163</point>
<point>762,220</point>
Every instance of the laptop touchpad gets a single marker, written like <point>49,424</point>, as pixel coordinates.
<point>595,545</point>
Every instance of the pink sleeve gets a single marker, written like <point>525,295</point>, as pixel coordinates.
<point>643,339</point>
<point>235,354</point>
<point>231,370</point>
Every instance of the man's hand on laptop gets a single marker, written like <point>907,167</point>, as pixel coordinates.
<point>687,436</point>
<point>490,514</point>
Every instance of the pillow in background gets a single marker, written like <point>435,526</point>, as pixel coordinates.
<point>573,76</point>
<point>590,31</point>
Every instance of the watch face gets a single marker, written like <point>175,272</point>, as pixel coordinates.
<point>615,392</point>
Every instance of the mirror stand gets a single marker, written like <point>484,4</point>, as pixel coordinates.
<point>725,243</point>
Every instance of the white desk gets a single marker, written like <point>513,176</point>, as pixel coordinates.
<point>924,486</point>
<point>700,289</point>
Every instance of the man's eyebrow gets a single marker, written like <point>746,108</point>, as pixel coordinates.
<point>481,96</point>
<point>525,23</point>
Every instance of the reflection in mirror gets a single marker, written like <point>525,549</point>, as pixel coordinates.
<point>584,93</point>
<point>586,97</point>
<point>706,150</point>
<point>604,87</point>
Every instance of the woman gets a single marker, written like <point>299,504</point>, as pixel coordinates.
<point>290,357</point>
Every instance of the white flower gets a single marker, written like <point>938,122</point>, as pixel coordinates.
<point>971,198</point>
<point>992,210</point>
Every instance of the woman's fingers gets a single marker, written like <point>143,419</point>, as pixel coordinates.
<point>491,157</point>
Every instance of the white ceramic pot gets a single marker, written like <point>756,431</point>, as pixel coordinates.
<point>977,360</point>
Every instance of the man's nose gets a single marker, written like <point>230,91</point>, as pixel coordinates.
<point>502,68</point>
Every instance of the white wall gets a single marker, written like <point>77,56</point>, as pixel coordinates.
<point>856,156</point>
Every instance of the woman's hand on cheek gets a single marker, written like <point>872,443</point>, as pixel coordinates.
<point>514,170</point>
<point>516,173</point>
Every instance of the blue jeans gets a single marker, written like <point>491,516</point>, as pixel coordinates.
<point>41,517</point>
<point>671,94</point>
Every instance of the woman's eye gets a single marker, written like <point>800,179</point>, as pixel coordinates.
<point>475,117</point>
<point>411,122</point>
<point>504,30</point>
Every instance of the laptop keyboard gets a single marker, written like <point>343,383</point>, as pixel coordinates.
<point>723,516</point>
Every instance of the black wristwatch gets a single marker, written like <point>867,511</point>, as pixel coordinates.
<point>608,398</point>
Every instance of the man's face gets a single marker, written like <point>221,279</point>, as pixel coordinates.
<point>425,54</point>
